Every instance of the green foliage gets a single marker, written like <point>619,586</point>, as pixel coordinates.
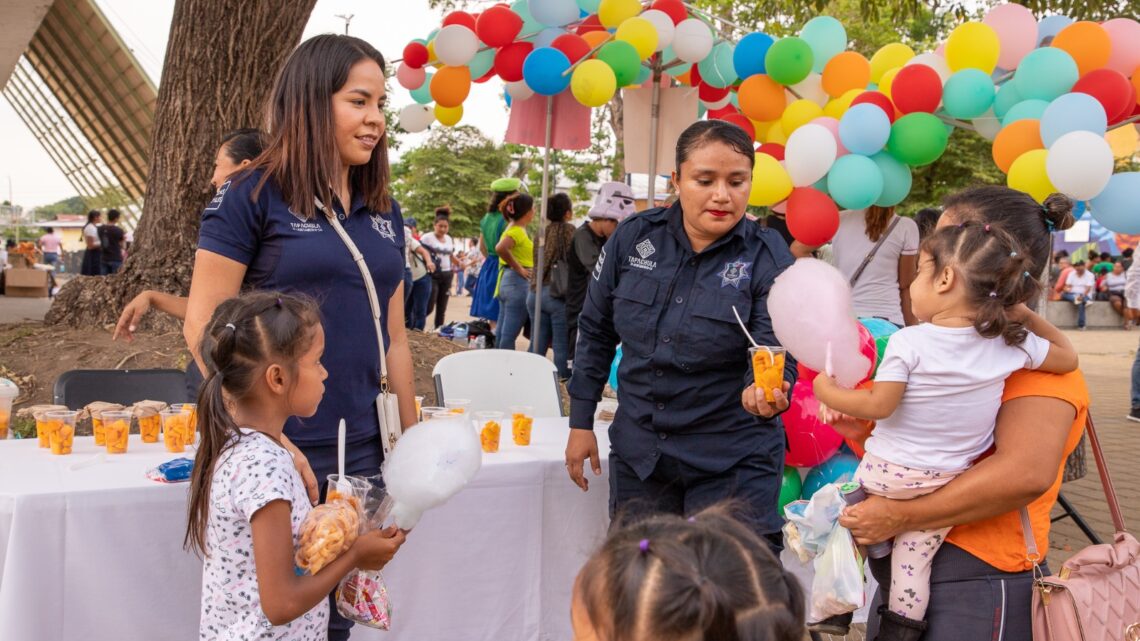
<point>967,162</point>
<point>73,205</point>
<point>454,167</point>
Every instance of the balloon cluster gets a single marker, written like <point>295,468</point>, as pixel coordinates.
<point>834,130</point>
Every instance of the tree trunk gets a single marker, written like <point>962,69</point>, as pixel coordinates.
<point>221,61</point>
<point>616,111</point>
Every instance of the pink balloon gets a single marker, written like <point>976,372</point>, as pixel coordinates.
<point>867,349</point>
<point>832,125</point>
<point>781,207</point>
<point>1124,33</point>
<point>810,442</point>
<point>1016,30</point>
<point>410,78</point>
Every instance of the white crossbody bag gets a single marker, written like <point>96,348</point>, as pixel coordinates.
<point>387,404</point>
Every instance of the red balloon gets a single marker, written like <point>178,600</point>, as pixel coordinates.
<point>810,442</point>
<point>917,88</point>
<point>575,47</point>
<point>805,373</point>
<point>509,60</point>
<point>867,348</point>
<point>742,121</point>
<point>590,23</point>
<point>709,93</point>
<point>415,55</point>
<point>498,26</point>
<point>675,9</point>
<point>485,77</point>
<point>694,76</point>
<point>727,110</point>
<point>813,217</point>
<point>878,99</point>
<point>1111,89</point>
<point>773,149</point>
<point>460,17</point>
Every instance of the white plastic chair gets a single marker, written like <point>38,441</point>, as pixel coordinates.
<point>495,379</point>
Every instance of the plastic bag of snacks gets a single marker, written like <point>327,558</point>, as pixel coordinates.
<point>362,596</point>
<point>331,528</point>
<point>150,423</point>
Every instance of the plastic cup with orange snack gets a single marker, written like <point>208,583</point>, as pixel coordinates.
<point>61,438</point>
<point>428,412</point>
<point>150,423</point>
<point>768,369</point>
<point>522,420</point>
<point>8,394</point>
<point>458,405</point>
<point>490,426</point>
<point>419,408</point>
<point>190,410</point>
<point>175,430</point>
<point>116,430</point>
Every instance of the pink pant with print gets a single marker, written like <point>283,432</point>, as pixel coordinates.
<point>913,552</point>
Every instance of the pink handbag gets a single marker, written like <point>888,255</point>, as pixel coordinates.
<point>1096,595</point>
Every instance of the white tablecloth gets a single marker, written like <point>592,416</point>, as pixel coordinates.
<point>96,554</point>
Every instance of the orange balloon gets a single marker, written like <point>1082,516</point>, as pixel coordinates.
<point>450,86</point>
<point>844,72</point>
<point>1015,139</point>
<point>1087,42</point>
<point>595,38</point>
<point>1136,83</point>
<point>761,98</point>
<point>686,78</point>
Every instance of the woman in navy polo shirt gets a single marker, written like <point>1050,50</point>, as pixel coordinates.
<point>264,230</point>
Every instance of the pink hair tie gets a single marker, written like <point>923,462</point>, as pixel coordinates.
<point>643,546</point>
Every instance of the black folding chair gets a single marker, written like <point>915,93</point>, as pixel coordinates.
<point>79,387</point>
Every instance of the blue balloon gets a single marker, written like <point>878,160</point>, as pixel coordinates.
<point>481,63</point>
<point>968,94</point>
<point>614,369</point>
<point>545,38</point>
<point>864,129</point>
<point>1045,73</point>
<point>826,37</point>
<point>855,182</point>
<point>1005,98</point>
<point>748,58</point>
<point>507,97</point>
<point>1117,207</point>
<point>1026,109</point>
<point>1072,112</point>
<point>717,68</point>
<point>1051,26</point>
<point>422,95</point>
<point>543,71</point>
<point>553,13</point>
<point>896,179</point>
<point>840,468</point>
<point>530,26</point>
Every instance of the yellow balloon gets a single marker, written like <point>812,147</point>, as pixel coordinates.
<point>593,83</point>
<point>776,134</point>
<point>886,80</point>
<point>1122,140</point>
<point>640,33</point>
<point>448,116</point>
<point>770,182</point>
<point>798,114</point>
<point>763,127</point>
<point>614,12</point>
<point>431,51</point>
<point>1028,174</point>
<point>889,57</point>
<point>973,45</point>
<point>836,108</point>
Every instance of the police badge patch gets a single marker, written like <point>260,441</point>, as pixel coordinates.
<point>735,273</point>
<point>383,226</point>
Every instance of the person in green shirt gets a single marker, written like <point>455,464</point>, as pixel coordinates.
<point>516,258</point>
<point>491,227</point>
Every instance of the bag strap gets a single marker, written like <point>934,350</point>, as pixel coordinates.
<point>874,250</point>
<point>373,300</point>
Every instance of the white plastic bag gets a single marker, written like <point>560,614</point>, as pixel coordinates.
<point>838,584</point>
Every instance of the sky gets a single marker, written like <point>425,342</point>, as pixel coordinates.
<point>144,27</point>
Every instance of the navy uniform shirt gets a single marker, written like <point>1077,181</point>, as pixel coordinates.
<point>285,252</point>
<point>684,358</point>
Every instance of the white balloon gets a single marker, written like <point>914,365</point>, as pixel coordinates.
<point>692,40</point>
<point>719,104</point>
<point>455,45</point>
<point>664,26</point>
<point>431,463</point>
<point>519,90</point>
<point>1079,164</point>
<point>987,125</point>
<point>809,154</point>
<point>935,62</point>
<point>811,88</point>
<point>416,118</point>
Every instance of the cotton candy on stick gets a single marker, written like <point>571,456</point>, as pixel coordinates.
<point>430,464</point>
<point>810,306</point>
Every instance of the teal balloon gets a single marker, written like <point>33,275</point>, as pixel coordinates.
<point>1117,206</point>
<point>968,94</point>
<point>855,182</point>
<point>840,468</point>
<point>821,185</point>
<point>643,74</point>
<point>589,6</point>
<point>1025,110</point>
<point>790,487</point>
<point>481,63</point>
<point>789,60</point>
<point>422,95</point>
<point>896,180</point>
<point>1045,73</point>
<point>530,27</point>
<point>881,330</point>
<point>826,37</point>
<point>917,139</point>
<point>717,69</point>
<point>623,59</point>
<point>1005,98</point>
<point>701,110</point>
<point>614,369</point>
<point>667,56</point>
<point>733,99</point>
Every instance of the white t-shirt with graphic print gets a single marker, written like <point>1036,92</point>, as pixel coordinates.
<point>254,472</point>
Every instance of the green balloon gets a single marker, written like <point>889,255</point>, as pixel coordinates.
<point>422,95</point>
<point>790,487</point>
<point>968,93</point>
<point>917,139</point>
<point>623,59</point>
<point>789,60</point>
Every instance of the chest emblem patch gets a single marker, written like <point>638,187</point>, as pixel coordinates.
<point>735,273</point>
<point>383,226</point>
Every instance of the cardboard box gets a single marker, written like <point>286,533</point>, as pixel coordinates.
<point>18,261</point>
<point>26,283</point>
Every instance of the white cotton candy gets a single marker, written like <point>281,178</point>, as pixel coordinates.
<point>430,464</point>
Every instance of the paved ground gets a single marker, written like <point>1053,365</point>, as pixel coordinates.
<point>17,310</point>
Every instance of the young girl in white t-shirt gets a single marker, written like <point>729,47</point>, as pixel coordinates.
<point>247,500</point>
<point>938,389</point>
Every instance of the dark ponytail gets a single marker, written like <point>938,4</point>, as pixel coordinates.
<point>243,336</point>
<point>515,206</point>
